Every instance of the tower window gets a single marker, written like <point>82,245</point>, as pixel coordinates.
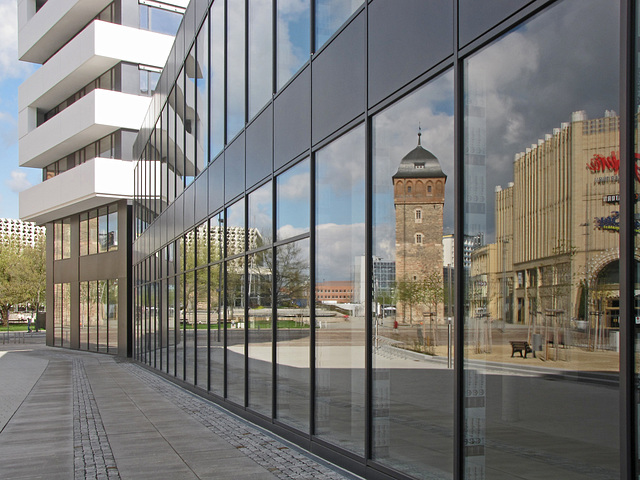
<point>428,188</point>
<point>408,188</point>
<point>418,215</point>
<point>419,238</point>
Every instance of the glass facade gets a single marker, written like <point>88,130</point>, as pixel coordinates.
<point>454,199</point>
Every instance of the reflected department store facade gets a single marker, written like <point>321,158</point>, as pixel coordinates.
<point>297,145</point>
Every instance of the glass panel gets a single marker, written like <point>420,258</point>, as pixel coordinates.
<point>543,283</point>
<point>340,340</point>
<point>102,315</point>
<point>293,334</point>
<point>260,332</point>
<point>84,316</point>
<point>413,392</point>
<point>235,68</point>
<point>330,15</point>
<point>93,232</point>
<point>105,147</point>
<point>260,216</point>
<point>102,230</point>
<point>234,306</point>
<point>112,316</point>
<point>202,244</point>
<point>84,234</point>
<point>202,96</point>
<point>112,228</point>
<point>180,328</point>
<point>260,54</point>
<point>57,240</point>
<point>202,332</point>
<point>217,79</point>
<point>181,133</point>
<point>66,315</point>
<point>235,229</point>
<point>191,164</point>
<point>216,317</point>
<point>293,38</point>
<point>190,326</point>
<point>292,204</point>
<point>93,315</point>
<point>172,331</point>
<point>66,238</point>
<point>159,20</point>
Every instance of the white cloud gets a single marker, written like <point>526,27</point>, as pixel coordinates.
<point>10,67</point>
<point>18,181</point>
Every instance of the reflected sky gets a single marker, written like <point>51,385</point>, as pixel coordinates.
<point>537,75</point>
<point>293,195</point>
<point>330,15</point>
<point>340,206</point>
<point>260,211</point>
<point>293,37</point>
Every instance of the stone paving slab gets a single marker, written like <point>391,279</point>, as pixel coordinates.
<point>79,415</point>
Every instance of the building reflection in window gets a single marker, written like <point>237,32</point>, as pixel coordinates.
<point>541,144</point>
<point>413,212</point>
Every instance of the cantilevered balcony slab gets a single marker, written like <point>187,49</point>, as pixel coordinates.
<point>42,33</point>
<point>95,183</point>
<point>99,47</point>
<point>94,116</point>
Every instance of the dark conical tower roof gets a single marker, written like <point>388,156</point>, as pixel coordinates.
<point>419,163</point>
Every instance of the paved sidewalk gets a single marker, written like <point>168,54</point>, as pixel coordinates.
<point>67,414</point>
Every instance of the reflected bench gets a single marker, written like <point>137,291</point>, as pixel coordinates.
<point>521,346</point>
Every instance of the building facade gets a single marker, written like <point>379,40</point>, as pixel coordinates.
<point>79,116</point>
<point>264,171</point>
<point>25,233</point>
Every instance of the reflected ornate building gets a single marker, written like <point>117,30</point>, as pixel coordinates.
<point>418,199</point>
<point>556,232</point>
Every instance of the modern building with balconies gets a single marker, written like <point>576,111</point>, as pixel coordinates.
<point>79,114</point>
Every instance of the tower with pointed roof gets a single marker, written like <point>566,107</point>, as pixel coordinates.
<point>418,187</point>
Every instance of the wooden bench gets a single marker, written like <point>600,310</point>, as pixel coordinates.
<point>521,346</point>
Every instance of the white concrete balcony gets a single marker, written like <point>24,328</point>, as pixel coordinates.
<point>95,183</point>
<point>94,116</point>
<point>42,33</point>
<point>95,50</point>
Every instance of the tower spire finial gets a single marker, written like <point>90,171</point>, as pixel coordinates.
<point>419,134</point>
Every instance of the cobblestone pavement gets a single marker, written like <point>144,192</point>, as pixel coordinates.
<point>279,458</point>
<point>92,454</point>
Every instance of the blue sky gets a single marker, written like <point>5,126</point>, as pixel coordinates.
<point>12,72</point>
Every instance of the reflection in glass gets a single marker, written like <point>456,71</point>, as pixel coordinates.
<point>202,96</point>
<point>92,312</point>
<point>413,218</point>
<point>190,326</point>
<point>340,338</point>
<point>293,201</point>
<point>216,318</point>
<point>84,315</point>
<point>217,94</point>
<point>112,228</point>
<point>235,315</point>
<point>293,325</point>
<point>260,216</point>
<point>180,328</point>
<point>260,333</point>
<point>260,54</point>
<point>172,332</point>
<point>202,328</point>
<point>235,229</point>
<point>112,317</point>
<point>235,68</point>
<point>102,317</point>
<point>192,165</point>
<point>293,38</point>
<point>542,289</point>
<point>330,15</point>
